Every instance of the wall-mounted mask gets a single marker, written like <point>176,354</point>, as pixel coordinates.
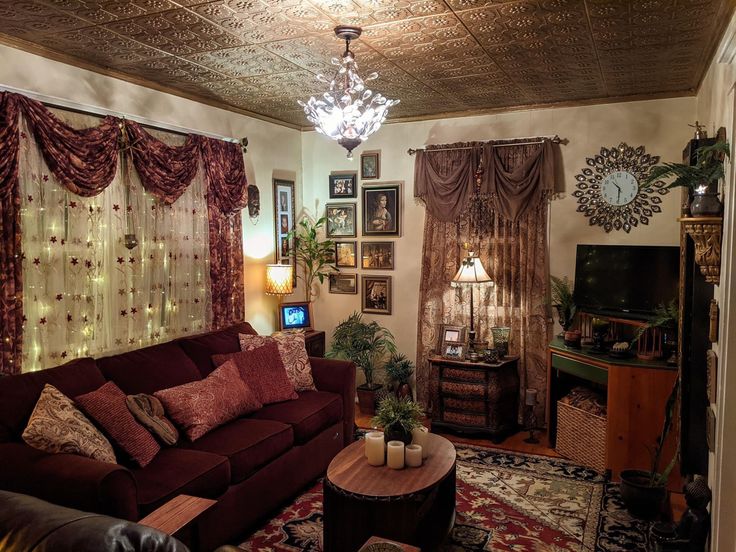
<point>254,202</point>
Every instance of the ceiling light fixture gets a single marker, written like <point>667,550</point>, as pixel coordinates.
<point>348,112</point>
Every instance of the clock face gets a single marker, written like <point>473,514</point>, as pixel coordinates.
<point>619,188</point>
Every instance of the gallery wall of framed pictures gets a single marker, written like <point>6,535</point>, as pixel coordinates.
<point>378,215</point>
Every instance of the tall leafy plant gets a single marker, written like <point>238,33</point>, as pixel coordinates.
<point>708,170</point>
<point>313,254</point>
<point>365,343</point>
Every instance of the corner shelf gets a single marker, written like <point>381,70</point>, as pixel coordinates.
<point>706,234</point>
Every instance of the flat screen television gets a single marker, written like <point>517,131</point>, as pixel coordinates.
<point>295,316</point>
<point>630,280</point>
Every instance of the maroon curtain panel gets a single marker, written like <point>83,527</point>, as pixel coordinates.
<point>227,195</point>
<point>11,275</point>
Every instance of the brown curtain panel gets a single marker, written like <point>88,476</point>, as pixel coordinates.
<point>227,195</point>
<point>11,276</point>
<point>512,245</point>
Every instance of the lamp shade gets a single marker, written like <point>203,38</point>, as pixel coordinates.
<point>471,271</point>
<point>279,279</point>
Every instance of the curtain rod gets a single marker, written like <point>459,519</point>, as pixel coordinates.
<point>554,139</point>
<point>53,101</point>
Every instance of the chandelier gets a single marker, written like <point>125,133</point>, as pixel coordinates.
<point>348,112</point>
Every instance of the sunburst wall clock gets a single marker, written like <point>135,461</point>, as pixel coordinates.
<point>608,190</point>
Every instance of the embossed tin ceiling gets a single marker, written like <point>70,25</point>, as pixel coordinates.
<point>437,56</point>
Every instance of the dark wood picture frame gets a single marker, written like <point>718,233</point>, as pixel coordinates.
<point>284,207</point>
<point>337,226</point>
<point>376,294</point>
<point>339,280</point>
<point>343,185</point>
<point>382,218</point>
<point>370,170</point>
<point>349,245</point>
<point>377,255</point>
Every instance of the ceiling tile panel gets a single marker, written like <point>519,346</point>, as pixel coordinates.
<point>436,56</point>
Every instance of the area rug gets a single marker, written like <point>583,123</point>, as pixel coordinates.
<point>505,502</point>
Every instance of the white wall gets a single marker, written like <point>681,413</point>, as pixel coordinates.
<point>273,150</point>
<point>715,109</point>
<point>660,125</point>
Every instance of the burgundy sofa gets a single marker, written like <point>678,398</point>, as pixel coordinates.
<point>251,465</point>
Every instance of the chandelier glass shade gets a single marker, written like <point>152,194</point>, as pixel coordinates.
<point>349,112</point>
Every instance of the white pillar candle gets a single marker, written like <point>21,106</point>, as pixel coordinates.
<point>395,454</point>
<point>375,448</point>
<point>419,436</point>
<point>413,456</point>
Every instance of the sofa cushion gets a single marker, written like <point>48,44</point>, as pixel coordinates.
<point>312,412</point>
<point>107,407</point>
<point>201,406</point>
<point>20,393</point>
<point>150,369</point>
<point>177,471</point>
<point>263,371</point>
<point>248,444</point>
<point>201,348</point>
<point>57,425</point>
<point>293,353</point>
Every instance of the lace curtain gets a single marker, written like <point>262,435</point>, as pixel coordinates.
<point>504,217</point>
<point>85,293</point>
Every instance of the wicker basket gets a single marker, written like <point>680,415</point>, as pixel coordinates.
<point>581,436</point>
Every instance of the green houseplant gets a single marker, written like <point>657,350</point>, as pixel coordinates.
<point>701,178</point>
<point>398,416</point>
<point>399,370</point>
<point>313,254</point>
<point>666,318</point>
<point>367,344</point>
<point>563,301</point>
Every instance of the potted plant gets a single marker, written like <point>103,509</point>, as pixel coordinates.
<point>314,255</point>
<point>643,492</point>
<point>366,344</point>
<point>399,370</point>
<point>701,178</point>
<point>562,301</point>
<point>666,318</point>
<point>398,417</point>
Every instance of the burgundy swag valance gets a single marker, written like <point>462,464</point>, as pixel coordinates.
<point>85,162</point>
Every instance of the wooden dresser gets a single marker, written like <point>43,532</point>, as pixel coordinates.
<point>475,397</point>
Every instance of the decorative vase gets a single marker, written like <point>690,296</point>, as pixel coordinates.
<point>563,316</point>
<point>705,203</point>
<point>396,432</point>
<point>403,391</point>
<point>572,338</point>
<point>600,331</point>
<point>642,500</point>
<point>490,356</point>
<point>501,340</point>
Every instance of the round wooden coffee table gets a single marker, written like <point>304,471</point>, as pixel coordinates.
<point>414,505</point>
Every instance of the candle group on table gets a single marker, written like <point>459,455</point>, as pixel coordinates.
<point>394,453</point>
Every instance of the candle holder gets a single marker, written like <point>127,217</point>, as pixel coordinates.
<point>501,340</point>
<point>530,401</point>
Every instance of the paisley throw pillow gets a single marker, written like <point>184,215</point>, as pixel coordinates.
<point>293,353</point>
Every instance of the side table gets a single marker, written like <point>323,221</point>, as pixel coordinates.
<point>315,343</point>
<point>177,513</point>
<point>475,397</point>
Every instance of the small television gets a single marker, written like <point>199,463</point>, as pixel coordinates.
<point>295,316</point>
<point>631,280</point>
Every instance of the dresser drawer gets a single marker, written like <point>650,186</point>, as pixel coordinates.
<point>466,405</point>
<point>450,372</point>
<point>461,389</point>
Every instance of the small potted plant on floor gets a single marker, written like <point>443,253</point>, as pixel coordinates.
<point>701,179</point>
<point>399,370</point>
<point>398,417</point>
<point>367,344</point>
<point>643,492</point>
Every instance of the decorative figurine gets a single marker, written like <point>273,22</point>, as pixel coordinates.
<point>691,533</point>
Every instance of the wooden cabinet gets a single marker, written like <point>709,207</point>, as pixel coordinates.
<point>636,393</point>
<point>315,343</point>
<point>475,397</point>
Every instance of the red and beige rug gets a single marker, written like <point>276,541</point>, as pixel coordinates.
<point>505,502</point>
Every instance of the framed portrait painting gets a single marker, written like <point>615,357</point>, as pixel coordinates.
<point>340,220</point>
<point>345,254</point>
<point>377,294</point>
<point>381,210</point>
<point>284,209</point>
<point>370,165</point>
<point>377,255</point>
<point>343,283</point>
<point>343,185</point>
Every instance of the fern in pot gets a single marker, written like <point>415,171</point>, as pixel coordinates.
<point>398,417</point>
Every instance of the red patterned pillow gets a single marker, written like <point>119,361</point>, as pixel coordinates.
<point>293,353</point>
<point>264,372</point>
<point>201,406</point>
<point>107,407</point>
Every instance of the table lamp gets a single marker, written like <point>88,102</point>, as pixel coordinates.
<point>471,272</point>
<point>279,280</point>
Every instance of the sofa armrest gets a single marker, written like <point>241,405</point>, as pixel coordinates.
<point>69,480</point>
<point>338,376</point>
